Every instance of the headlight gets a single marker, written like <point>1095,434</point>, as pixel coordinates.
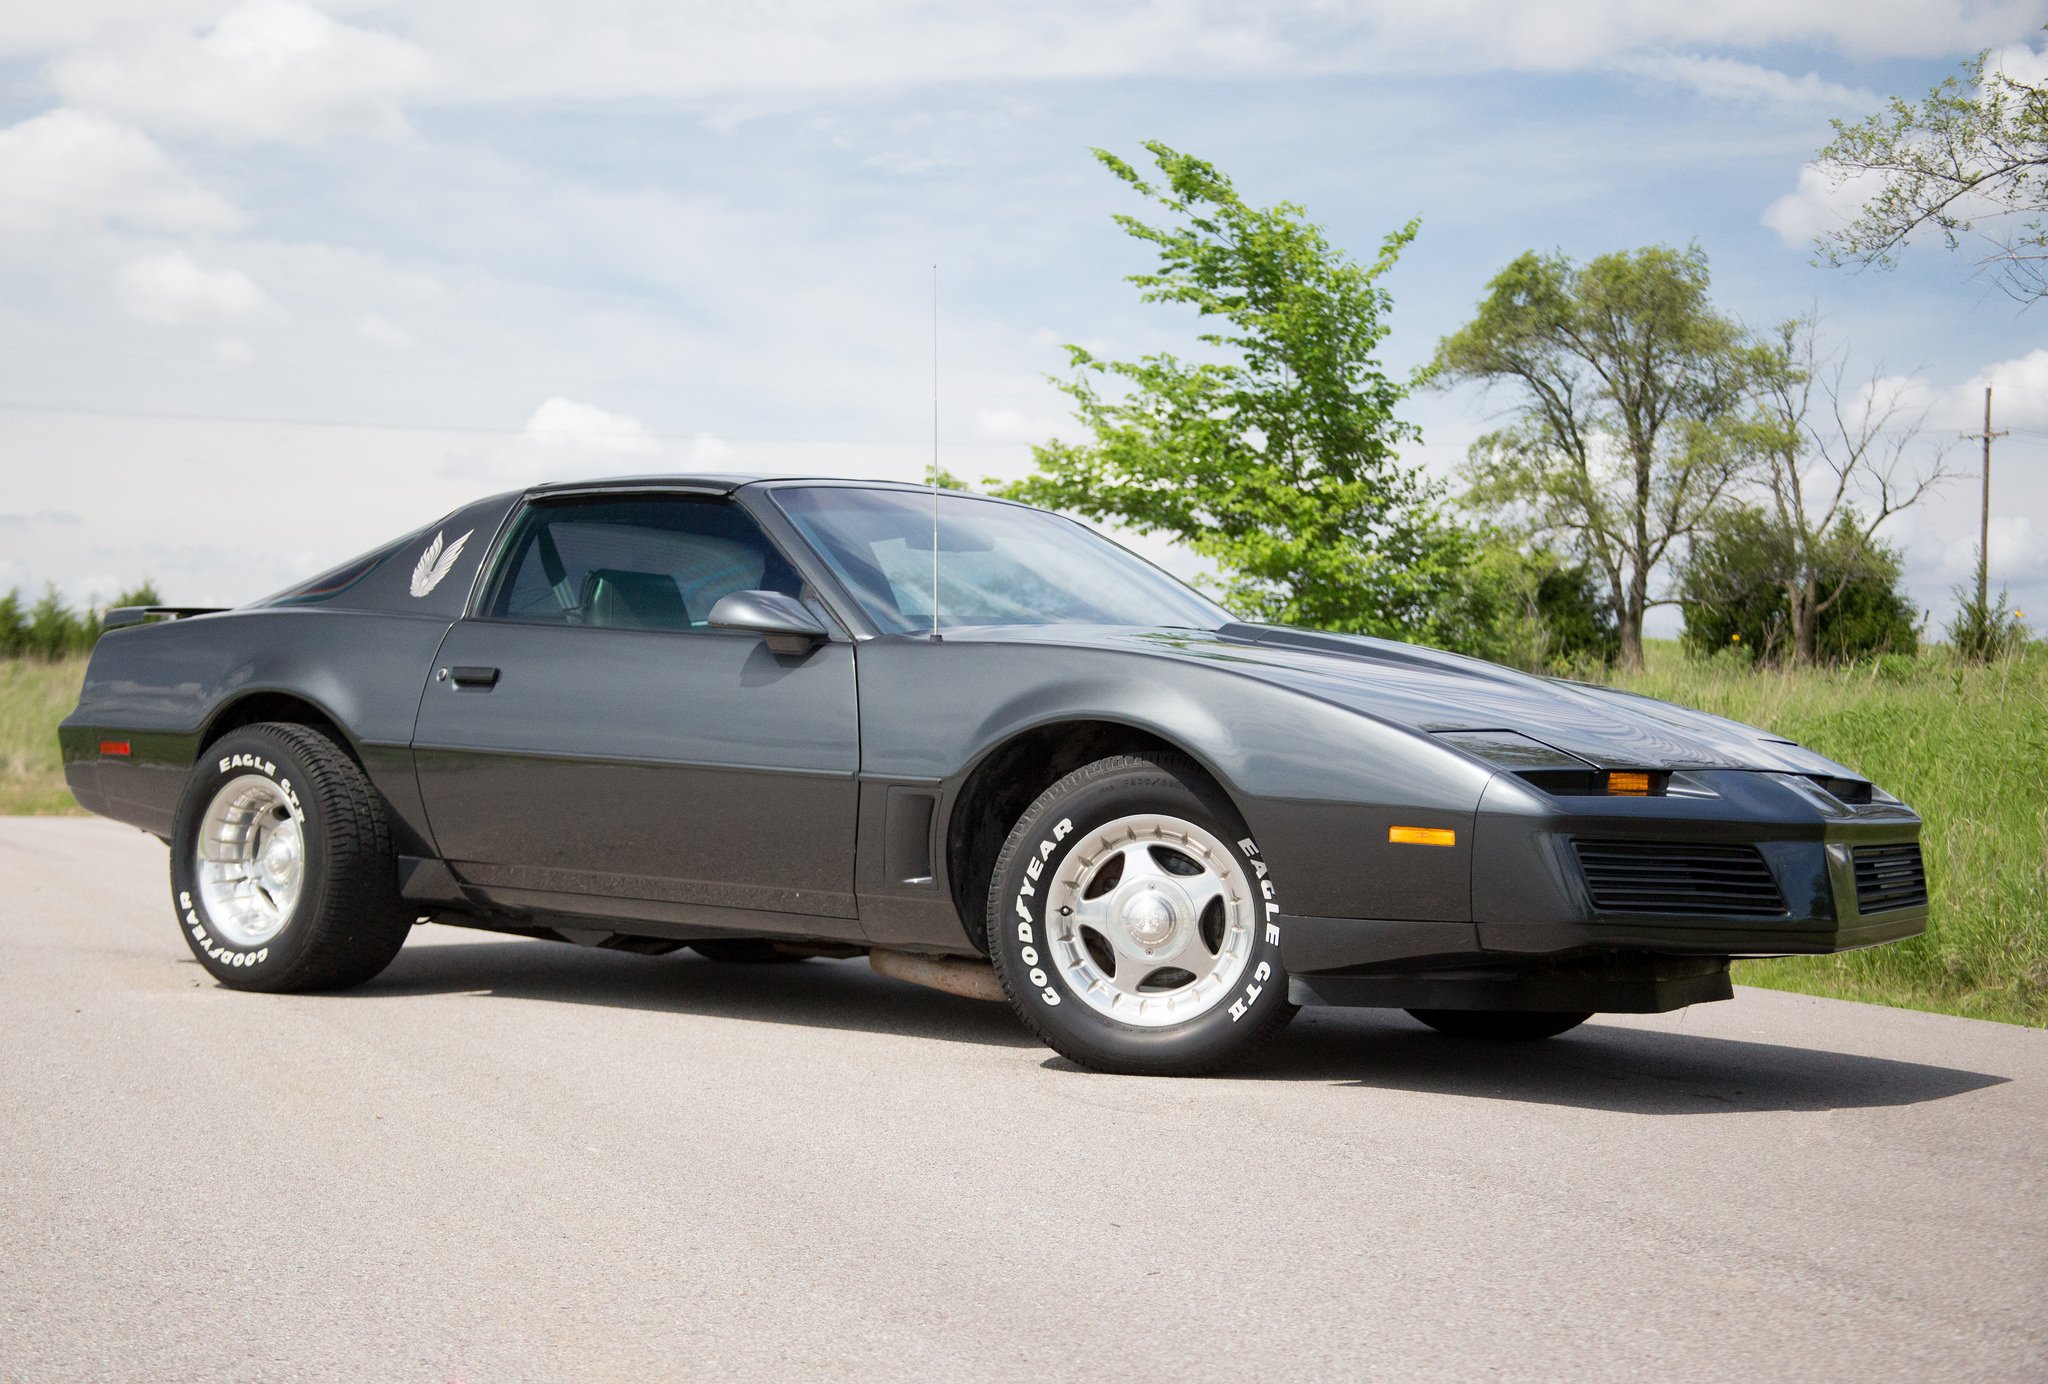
<point>1551,769</point>
<point>1511,749</point>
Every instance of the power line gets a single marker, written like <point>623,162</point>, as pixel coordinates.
<point>152,415</point>
<point>41,348</point>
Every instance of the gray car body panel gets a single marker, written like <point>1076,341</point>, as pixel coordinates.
<point>700,781</point>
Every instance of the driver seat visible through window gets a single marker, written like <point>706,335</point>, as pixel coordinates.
<point>652,562</point>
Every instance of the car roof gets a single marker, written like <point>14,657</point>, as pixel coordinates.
<point>719,483</point>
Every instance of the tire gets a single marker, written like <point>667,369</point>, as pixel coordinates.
<point>1498,1025</point>
<point>1161,954</point>
<point>745,951</point>
<point>312,903</point>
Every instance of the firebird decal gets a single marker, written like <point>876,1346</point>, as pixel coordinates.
<point>435,564</point>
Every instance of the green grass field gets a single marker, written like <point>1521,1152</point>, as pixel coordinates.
<point>34,697</point>
<point>1966,746</point>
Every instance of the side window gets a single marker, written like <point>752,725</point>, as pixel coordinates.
<point>643,562</point>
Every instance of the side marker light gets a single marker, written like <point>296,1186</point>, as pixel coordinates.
<point>1422,836</point>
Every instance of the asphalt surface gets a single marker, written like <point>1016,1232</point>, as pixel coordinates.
<point>522,1160</point>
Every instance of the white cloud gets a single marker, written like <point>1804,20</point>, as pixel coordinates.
<point>2019,396</point>
<point>233,351</point>
<point>1002,423</point>
<point>173,288</point>
<point>269,69</point>
<point>563,440</point>
<point>2019,550</point>
<point>1729,79</point>
<point>2019,392</point>
<point>379,330</point>
<point>562,421</point>
<point>747,58</point>
<point>709,451</point>
<point>2020,63</point>
<point>68,167</point>
<point>283,69</point>
<point>1819,204</point>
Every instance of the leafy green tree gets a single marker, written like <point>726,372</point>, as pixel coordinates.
<point>1531,608</point>
<point>1737,582</point>
<point>1829,444</point>
<point>144,595</point>
<point>53,629</point>
<point>1274,453</point>
<point>13,626</point>
<point>1630,423</point>
<point>1971,159</point>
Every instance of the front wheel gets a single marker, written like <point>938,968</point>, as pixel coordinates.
<point>1500,1025</point>
<point>1133,923</point>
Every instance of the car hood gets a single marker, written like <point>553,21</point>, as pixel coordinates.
<point>1428,690</point>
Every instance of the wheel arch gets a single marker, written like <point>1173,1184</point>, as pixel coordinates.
<point>256,705</point>
<point>1011,773</point>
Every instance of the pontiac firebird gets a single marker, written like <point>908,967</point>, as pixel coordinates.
<point>720,712</point>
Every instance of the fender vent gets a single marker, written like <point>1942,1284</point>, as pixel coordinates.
<point>1889,877</point>
<point>1666,877</point>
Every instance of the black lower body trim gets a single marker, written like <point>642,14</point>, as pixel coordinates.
<point>1628,985</point>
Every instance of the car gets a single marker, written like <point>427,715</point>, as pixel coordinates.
<point>778,718</point>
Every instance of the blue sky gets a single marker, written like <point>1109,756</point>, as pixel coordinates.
<point>277,282</point>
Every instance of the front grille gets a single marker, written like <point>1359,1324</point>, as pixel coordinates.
<point>1889,877</point>
<point>1666,877</point>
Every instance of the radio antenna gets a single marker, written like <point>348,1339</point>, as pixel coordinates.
<point>935,454</point>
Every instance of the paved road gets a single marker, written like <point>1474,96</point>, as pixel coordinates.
<point>520,1160</point>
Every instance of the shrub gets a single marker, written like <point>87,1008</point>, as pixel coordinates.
<point>1984,632</point>
<point>1733,592</point>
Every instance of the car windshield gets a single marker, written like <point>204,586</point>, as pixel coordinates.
<point>999,564</point>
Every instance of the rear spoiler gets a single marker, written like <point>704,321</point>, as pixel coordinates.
<point>120,616</point>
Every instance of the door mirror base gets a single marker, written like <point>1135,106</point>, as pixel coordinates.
<point>782,621</point>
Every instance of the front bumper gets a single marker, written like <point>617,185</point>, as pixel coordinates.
<point>1533,909</point>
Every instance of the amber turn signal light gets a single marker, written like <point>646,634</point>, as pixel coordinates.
<point>1422,836</point>
<point>1628,784</point>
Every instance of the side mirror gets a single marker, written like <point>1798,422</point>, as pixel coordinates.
<point>781,620</point>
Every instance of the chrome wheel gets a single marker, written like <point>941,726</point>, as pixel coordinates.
<point>1149,920</point>
<point>251,860</point>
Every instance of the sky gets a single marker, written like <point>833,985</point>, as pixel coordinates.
<point>281,281</point>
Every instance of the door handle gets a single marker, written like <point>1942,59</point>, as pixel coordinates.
<point>482,679</point>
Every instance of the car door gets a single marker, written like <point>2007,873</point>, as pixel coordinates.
<point>588,739</point>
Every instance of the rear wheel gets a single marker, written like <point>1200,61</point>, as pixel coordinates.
<point>1500,1025</point>
<point>1133,924</point>
<point>281,864</point>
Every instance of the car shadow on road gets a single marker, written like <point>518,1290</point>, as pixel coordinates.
<point>1600,1066</point>
<point>813,994</point>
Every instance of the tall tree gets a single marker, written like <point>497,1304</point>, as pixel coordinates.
<point>1629,423</point>
<point>1273,452</point>
<point>1842,459</point>
<point>1971,159</point>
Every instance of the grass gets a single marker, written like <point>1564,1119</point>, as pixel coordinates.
<point>34,697</point>
<point>1965,745</point>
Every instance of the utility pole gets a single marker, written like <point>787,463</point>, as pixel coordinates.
<point>1984,517</point>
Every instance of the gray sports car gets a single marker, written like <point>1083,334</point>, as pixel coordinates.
<point>770,719</point>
